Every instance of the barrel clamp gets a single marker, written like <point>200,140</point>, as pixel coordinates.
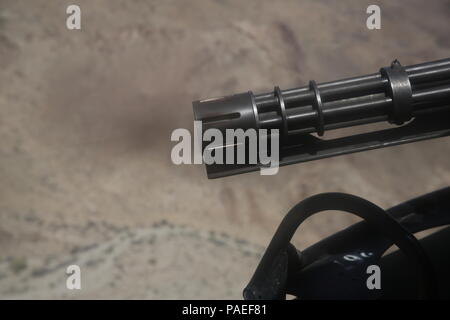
<point>400,91</point>
<point>285,128</point>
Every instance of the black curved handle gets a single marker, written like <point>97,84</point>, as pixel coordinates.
<point>368,211</point>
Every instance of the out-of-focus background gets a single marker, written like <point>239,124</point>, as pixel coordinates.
<point>85,123</point>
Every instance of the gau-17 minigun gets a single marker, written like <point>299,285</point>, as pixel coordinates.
<point>415,101</point>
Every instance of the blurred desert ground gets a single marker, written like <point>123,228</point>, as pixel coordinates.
<point>85,123</point>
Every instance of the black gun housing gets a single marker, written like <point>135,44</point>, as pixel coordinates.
<point>414,99</point>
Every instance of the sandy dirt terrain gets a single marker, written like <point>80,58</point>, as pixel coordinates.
<point>86,116</point>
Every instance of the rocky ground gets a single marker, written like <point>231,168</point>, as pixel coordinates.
<point>85,122</point>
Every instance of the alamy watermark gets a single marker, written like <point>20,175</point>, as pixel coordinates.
<point>73,21</point>
<point>236,146</point>
<point>73,281</point>
<point>374,280</point>
<point>373,22</point>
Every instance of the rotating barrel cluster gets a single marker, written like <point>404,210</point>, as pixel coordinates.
<point>396,94</point>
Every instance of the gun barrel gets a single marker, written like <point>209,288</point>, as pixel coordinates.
<point>396,94</point>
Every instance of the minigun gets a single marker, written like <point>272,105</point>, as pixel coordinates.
<point>414,101</point>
